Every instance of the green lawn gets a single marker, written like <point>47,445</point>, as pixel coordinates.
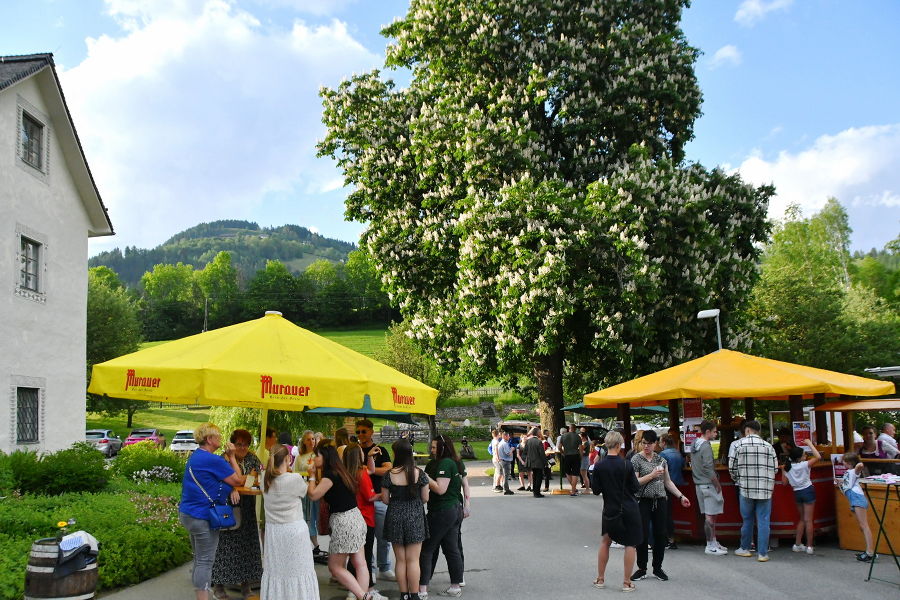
<point>167,420</point>
<point>364,341</point>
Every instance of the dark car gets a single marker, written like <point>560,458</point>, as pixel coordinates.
<point>104,440</point>
<point>595,431</point>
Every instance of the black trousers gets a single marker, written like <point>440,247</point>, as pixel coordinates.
<point>653,510</point>
<point>537,476</point>
<point>443,527</point>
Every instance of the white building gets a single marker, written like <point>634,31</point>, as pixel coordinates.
<point>49,207</point>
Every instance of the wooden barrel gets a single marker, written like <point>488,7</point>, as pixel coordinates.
<point>41,584</point>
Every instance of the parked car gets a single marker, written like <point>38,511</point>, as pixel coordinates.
<point>104,440</point>
<point>183,441</point>
<point>146,435</point>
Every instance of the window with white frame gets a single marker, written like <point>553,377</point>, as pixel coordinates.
<point>30,264</point>
<point>27,415</point>
<point>32,137</point>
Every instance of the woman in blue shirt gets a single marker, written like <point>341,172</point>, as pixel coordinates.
<point>216,475</point>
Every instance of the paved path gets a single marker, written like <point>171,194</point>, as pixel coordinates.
<point>547,549</point>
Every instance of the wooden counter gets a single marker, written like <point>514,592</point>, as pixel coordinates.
<point>689,521</point>
<point>849,535</point>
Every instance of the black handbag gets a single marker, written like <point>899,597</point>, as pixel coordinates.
<point>223,517</point>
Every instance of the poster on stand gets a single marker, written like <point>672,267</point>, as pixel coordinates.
<point>837,465</point>
<point>693,408</point>
<point>802,432</point>
<point>691,432</point>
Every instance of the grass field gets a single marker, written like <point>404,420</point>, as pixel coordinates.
<point>364,341</point>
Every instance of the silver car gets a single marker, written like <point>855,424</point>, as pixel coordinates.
<point>104,440</point>
<point>183,441</point>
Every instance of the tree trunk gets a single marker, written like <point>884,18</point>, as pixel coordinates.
<point>548,373</point>
<point>432,427</point>
<point>131,412</point>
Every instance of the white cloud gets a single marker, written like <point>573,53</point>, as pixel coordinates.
<point>313,229</point>
<point>197,111</point>
<point>313,7</point>
<point>750,12</point>
<point>728,55</point>
<point>858,166</point>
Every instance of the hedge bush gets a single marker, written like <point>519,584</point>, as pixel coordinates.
<point>145,461</point>
<point>137,527</point>
<point>76,469</point>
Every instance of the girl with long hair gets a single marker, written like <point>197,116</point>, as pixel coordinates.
<point>405,491</point>
<point>445,515</point>
<point>348,527</point>
<point>288,570</point>
<point>355,463</point>
<point>304,455</point>
<point>797,474</point>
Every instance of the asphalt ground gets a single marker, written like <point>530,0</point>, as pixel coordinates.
<point>546,548</point>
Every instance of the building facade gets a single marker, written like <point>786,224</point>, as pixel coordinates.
<point>49,207</point>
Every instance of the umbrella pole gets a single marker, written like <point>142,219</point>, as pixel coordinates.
<point>263,424</point>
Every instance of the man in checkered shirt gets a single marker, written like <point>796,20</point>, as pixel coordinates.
<point>752,466</point>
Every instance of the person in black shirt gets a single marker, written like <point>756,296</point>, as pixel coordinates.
<point>621,520</point>
<point>382,464</point>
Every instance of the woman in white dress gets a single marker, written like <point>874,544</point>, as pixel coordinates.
<point>288,571</point>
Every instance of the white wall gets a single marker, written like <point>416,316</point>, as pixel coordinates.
<point>41,343</point>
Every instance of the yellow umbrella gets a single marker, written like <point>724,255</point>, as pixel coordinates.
<point>267,363</point>
<point>730,374</point>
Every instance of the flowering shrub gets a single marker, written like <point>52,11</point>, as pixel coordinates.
<point>158,473</point>
<point>145,461</point>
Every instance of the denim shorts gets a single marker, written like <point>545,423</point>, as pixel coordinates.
<point>856,499</point>
<point>805,496</point>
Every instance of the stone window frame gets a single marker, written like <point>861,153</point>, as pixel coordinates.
<point>24,109</point>
<point>39,295</point>
<point>39,383</point>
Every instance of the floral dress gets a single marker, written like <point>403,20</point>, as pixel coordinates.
<point>238,556</point>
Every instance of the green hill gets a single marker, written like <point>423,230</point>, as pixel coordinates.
<point>250,246</point>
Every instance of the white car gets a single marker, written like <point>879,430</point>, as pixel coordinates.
<point>183,441</point>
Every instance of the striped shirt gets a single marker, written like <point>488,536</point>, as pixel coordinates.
<point>753,466</point>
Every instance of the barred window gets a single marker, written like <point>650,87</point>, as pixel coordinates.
<point>27,414</point>
<point>29,265</point>
<point>32,141</point>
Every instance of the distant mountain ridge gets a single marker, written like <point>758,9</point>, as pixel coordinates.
<point>250,246</point>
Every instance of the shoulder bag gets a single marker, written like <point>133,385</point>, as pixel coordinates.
<point>221,516</point>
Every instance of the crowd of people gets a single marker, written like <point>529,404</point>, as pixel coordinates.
<point>637,511</point>
<point>375,503</point>
<point>371,503</point>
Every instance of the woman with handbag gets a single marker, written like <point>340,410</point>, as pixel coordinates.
<point>204,490</point>
<point>348,527</point>
<point>621,520</point>
<point>289,572</point>
<point>238,559</point>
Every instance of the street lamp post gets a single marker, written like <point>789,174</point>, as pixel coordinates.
<point>709,314</point>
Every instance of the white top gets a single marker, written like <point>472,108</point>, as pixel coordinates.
<point>495,453</point>
<point>798,476</point>
<point>283,498</point>
<point>850,482</point>
<point>888,444</point>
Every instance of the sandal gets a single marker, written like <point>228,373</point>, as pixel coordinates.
<point>628,586</point>
<point>599,584</point>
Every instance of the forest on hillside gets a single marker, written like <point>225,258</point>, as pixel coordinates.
<point>249,245</point>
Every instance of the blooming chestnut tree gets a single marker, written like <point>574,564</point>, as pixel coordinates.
<point>527,203</point>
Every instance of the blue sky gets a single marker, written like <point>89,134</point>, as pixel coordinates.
<point>196,110</point>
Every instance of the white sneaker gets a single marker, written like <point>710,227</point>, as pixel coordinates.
<point>462,583</point>
<point>720,546</point>
<point>798,548</point>
<point>350,596</point>
<point>715,551</point>
<point>809,550</point>
<point>375,595</point>
<point>388,575</point>
<point>616,545</point>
